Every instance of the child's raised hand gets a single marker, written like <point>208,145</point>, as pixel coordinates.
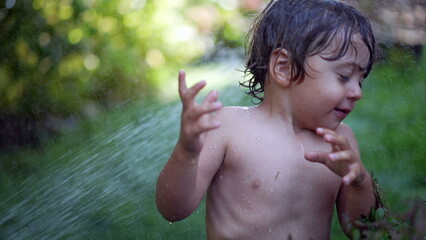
<point>195,120</point>
<point>342,160</point>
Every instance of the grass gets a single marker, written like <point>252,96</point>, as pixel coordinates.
<point>98,182</point>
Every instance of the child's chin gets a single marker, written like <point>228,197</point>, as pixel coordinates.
<point>331,126</point>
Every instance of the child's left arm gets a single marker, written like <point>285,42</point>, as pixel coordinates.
<point>356,195</point>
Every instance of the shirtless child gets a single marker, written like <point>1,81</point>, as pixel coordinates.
<point>277,169</point>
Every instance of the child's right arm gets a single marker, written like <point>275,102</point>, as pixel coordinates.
<point>187,174</point>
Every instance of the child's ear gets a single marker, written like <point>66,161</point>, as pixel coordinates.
<point>280,67</point>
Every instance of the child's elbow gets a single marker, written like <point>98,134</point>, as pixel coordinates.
<point>172,215</point>
<point>171,212</point>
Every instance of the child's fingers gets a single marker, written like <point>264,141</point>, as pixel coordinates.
<point>205,108</point>
<point>342,156</point>
<point>338,142</point>
<point>322,131</point>
<point>327,134</point>
<point>211,97</point>
<point>350,177</point>
<point>355,176</point>
<point>201,125</point>
<point>188,97</point>
<point>182,83</point>
<point>208,125</point>
<point>194,90</point>
<point>340,163</point>
<point>321,157</point>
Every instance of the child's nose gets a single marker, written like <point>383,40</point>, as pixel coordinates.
<point>355,92</point>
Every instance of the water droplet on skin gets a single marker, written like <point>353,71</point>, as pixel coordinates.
<point>258,138</point>
<point>171,223</point>
<point>221,177</point>
<point>303,150</point>
<point>272,190</point>
<point>270,230</point>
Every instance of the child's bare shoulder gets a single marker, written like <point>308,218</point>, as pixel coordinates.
<point>233,119</point>
<point>234,115</point>
<point>345,130</point>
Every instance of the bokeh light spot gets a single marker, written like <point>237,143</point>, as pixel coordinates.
<point>75,36</point>
<point>107,24</point>
<point>91,62</point>
<point>38,4</point>
<point>65,12</point>
<point>44,39</point>
<point>154,58</point>
<point>10,3</point>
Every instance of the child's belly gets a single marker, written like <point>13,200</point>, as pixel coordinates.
<point>271,198</point>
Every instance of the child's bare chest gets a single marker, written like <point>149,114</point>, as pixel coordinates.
<point>273,169</point>
<point>265,182</point>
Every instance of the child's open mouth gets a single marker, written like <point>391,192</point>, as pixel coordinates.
<point>342,113</point>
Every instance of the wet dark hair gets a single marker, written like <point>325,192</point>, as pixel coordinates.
<point>304,28</point>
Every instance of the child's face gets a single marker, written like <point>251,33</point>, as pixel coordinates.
<point>330,89</point>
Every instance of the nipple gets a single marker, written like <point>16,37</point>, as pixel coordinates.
<point>255,184</point>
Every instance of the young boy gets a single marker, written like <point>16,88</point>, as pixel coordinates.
<point>277,169</point>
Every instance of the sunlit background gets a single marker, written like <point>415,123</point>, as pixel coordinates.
<point>89,110</point>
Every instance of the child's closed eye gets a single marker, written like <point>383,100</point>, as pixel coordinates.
<point>343,78</point>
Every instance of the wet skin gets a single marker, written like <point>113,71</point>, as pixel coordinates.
<point>276,169</point>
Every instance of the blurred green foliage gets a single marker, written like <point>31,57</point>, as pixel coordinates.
<point>104,187</point>
<point>66,57</point>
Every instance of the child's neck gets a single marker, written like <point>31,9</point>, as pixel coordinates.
<point>277,108</point>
